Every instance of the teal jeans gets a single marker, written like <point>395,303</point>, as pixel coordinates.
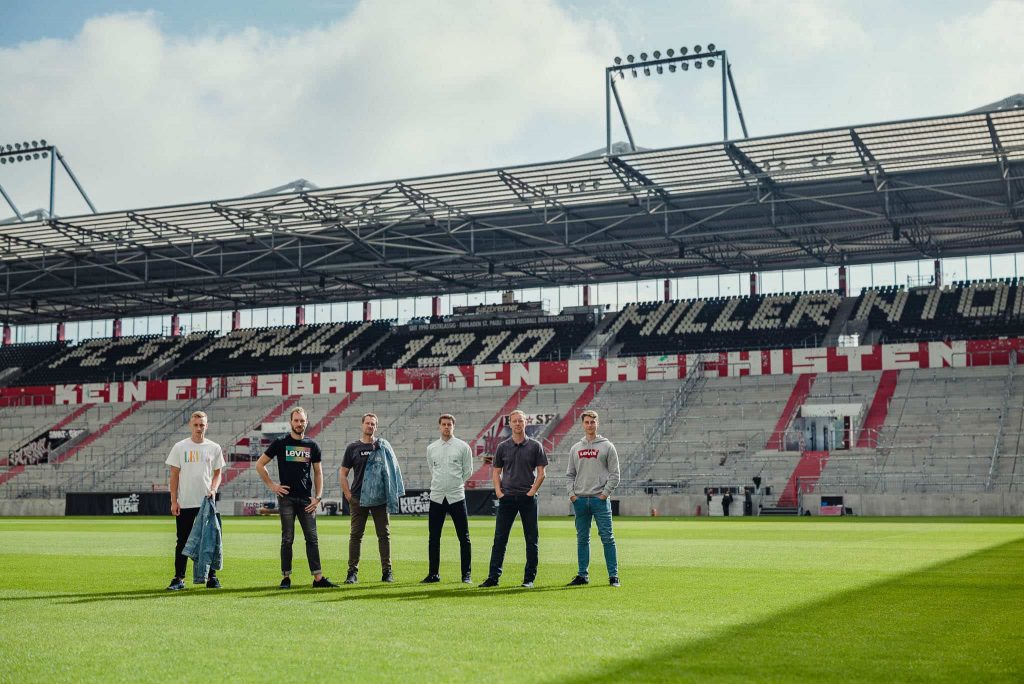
<point>587,508</point>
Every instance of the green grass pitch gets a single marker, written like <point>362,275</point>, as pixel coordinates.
<point>720,600</point>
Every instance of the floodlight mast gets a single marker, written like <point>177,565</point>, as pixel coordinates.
<point>14,153</point>
<point>698,59</point>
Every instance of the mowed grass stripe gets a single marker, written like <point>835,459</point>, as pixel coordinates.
<point>799,598</point>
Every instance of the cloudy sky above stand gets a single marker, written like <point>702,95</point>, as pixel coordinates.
<point>156,103</point>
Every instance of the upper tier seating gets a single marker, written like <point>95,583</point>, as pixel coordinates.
<point>111,359</point>
<point>976,310</point>
<point>28,354</point>
<point>471,343</point>
<point>723,324</point>
<point>280,350</point>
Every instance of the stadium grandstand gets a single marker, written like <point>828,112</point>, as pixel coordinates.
<point>653,286</point>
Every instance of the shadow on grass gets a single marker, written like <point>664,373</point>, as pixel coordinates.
<point>357,592</point>
<point>955,621</point>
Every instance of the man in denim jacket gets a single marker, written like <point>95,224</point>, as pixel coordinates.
<point>368,457</point>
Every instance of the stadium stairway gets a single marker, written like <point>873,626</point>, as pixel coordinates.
<point>570,417</point>
<point>66,420</point>
<point>482,476</point>
<point>796,398</point>
<point>332,414</point>
<point>236,468</point>
<point>879,409</point>
<point>808,470</point>
<point>104,429</point>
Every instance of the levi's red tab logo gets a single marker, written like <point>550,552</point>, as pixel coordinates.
<point>587,453</point>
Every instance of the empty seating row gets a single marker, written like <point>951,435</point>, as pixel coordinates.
<point>984,309</point>
<point>454,344</point>
<point>755,322</point>
<point>121,358</point>
<point>281,349</point>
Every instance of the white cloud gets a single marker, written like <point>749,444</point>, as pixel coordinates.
<point>394,89</point>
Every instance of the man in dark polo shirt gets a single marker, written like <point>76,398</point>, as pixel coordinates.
<point>299,471</point>
<point>519,464</point>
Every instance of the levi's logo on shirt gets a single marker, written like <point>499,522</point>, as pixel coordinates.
<point>297,454</point>
<point>587,453</point>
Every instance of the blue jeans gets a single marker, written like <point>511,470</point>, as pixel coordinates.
<point>585,508</point>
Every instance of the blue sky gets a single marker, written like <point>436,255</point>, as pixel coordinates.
<point>161,103</point>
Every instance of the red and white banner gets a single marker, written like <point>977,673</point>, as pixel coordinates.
<point>957,354</point>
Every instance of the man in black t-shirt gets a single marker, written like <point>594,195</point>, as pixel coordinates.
<point>357,455</point>
<point>298,467</point>
<point>519,464</point>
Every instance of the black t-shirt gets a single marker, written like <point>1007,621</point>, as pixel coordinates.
<point>356,455</point>
<point>295,459</point>
<point>518,463</point>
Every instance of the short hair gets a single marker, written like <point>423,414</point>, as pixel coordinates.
<point>589,413</point>
<point>369,415</point>
<point>446,416</point>
<point>198,414</point>
<point>519,411</point>
<point>298,409</point>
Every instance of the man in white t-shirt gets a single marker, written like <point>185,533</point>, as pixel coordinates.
<point>196,465</point>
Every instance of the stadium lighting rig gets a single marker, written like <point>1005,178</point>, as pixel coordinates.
<point>35,150</point>
<point>697,58</point>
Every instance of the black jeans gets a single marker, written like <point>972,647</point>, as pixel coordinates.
<point>508,507</point>
<point>293,507</point>
<point>183,523</point>
<point>435,520</point>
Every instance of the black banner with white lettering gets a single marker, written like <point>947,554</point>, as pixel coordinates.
<point>146,503</point>
<point>417,502</point>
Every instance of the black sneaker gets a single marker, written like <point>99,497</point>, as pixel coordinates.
<point>489,582</point>
<point>352,577</point>
<point>578,581</point>
<point>388,577</point>
<point>177,584</point>
<point>467,578</point>
<point>527,584</point>
<point>286,583</point>
<point>323,583</point>
<point>614,581</point>
<point>212,583</point>
<point>430,579</point>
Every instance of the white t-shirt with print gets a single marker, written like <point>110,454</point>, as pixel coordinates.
<point>197,463</point>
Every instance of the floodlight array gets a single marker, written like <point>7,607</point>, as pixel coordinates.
<point>657,62</point>
<point>13,153</point>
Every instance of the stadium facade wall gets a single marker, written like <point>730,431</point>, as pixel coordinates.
<point>915,355</point>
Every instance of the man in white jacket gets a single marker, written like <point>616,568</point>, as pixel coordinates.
<point>593,474</point>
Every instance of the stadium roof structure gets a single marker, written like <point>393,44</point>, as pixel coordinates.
<point>923,188</point>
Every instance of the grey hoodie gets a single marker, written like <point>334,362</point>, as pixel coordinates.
<point>593,467</point>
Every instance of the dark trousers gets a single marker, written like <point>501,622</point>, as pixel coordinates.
<point>183,526</point>
<point>381,523</point>
<point>293,507</point>
<point>508,507</point>
<point>435,520</point>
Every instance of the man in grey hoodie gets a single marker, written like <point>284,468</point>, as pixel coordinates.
<point>593,474</point>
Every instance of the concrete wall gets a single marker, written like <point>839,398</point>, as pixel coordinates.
<point>995,504</point>
<point>998,504</point>
<point>31,507</point>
